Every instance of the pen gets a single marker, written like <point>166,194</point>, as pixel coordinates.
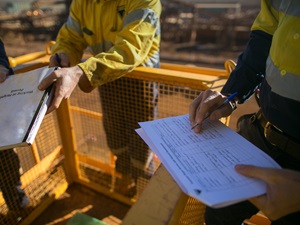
<point>58,59</point>
<point>225,101</point>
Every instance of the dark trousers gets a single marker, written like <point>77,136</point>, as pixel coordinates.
<point>250,128</point>
<point>10,182</point>
<point>125,102</point>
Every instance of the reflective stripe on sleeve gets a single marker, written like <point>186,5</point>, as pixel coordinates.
<point>74,25</point>
<point>146,15</point>
<point>283,82</point>
<point>289,7</point>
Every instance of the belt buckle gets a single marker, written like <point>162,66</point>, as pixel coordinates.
<point>275,136</point>
<point>267,129</point>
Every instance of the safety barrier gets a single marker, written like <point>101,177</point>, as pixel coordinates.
<point>71,145</point>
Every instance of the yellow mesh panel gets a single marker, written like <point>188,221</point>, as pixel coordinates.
<point>100,146</point>
<point>41,174</point>
<point>48,136</point>
<point>192,213</point>
<point>123,103</point>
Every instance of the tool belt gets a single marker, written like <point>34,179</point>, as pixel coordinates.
<point>278,138</point>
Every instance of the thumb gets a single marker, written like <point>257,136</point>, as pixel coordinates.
<point>47,81</point>
<point>2,77</point>
<point>3,73</point>
<point>255,172</point>
<point>262,173</point>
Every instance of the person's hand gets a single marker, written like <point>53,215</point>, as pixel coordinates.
<point>3,73</point>
<point>59,59</point>
<point>282,197</point>
<point>62,60</point>
<point>65,80</point>
<point>206,103</point>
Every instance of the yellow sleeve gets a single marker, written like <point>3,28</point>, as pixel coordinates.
<point>134,44</point>
<point>70,41</point>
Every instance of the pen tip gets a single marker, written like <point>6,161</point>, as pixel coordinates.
<point>194,126</point>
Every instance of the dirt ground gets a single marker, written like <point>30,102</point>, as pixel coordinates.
<point>78,198</point>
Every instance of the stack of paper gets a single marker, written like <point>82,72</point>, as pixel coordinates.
<point>203,164</point>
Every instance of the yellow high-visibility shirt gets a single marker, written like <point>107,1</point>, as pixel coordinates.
<point>122,34</point>
<point>281,19</point>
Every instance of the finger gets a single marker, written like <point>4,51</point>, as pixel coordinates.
<point>262,173</point>
<point>47,81</point>
<point>260,201</point>
<point>57,99</point>
<point>2,77</point>
<point>202,106</point>
<point>53,62</point>
<point>210,102</point>
<point>194,107</point>
<point>53,106</point>
<point>3,73</point>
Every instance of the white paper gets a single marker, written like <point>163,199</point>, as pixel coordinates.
<point>203,164</point>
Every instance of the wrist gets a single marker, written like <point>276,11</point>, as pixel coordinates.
<point>233,102</point>
<point>84,83</point>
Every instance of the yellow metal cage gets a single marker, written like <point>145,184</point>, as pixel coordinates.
<point>71,145</point>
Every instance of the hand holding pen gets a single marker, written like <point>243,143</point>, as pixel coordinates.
<point>227,100</point>
<point>59,59</point>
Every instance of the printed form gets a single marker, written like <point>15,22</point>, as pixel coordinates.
<point>203,164</point>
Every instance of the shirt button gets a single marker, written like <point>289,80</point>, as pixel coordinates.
<point>283,72</point>
<point>296,36</point>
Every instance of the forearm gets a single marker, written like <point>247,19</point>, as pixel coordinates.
<point>69,43</point>
<point>135,44</point>
<point>70,38</point>
<point>251,65</point>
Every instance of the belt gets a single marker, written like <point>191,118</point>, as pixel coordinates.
<point>278,138</point>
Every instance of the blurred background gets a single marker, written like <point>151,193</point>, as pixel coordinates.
<point>197,32</point>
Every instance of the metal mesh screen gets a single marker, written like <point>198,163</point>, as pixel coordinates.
<point>112,158</point>
<point>30,175</point>
<point>124,103</point>
<point>104,122</point>
<point>48,137</point>
<point>192,213</point>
